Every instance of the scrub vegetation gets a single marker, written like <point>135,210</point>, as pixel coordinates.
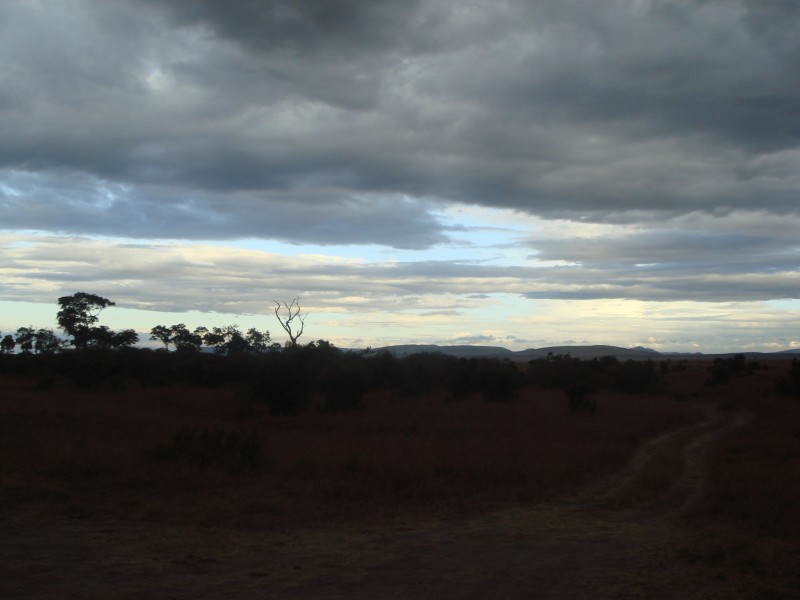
<point>312,434</point>
<point>313,438</point>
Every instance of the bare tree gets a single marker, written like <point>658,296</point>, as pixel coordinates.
<point>290,320</point>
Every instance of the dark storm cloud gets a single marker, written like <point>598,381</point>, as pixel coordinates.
<point>315,121</point>
<point>346,28</point>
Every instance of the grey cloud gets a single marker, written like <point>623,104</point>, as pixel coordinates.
<point>217,116</point>
<point>334,52</point>
<point>686,251</point>
<point>77,204</point>
<point>232,281</point>
<point>342,27</point>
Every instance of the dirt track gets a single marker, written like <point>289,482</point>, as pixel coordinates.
<point>595,545</point>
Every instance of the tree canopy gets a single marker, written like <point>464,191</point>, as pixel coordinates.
<point>78,315</point>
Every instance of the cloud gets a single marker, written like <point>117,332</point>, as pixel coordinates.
<point>232,117</point>
<point>357,302</point>
<point>550,170</point>
<point>77,204</point>
<point>676,252</point>
<point>234,280</point>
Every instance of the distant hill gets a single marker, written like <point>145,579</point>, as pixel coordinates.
<point>582,352</point>
<point>464,351</point>
<point>599,351</point>
<point>459,351</point>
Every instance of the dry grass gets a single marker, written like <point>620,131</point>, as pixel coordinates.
<point>399,461</point>
<point>747,526</point>
<point>754,474</point>
<point>92,454</point>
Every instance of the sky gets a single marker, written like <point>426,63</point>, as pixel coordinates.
<point>518,174</point>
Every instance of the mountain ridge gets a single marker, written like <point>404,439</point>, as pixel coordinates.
<point>582,352</point>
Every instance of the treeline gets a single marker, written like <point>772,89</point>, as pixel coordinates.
<point>290,380</point>
<point>79,314</point>
<point>293,378</point>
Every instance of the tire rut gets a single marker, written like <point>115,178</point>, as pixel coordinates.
<point>694,441</point>
<point>695,476</point>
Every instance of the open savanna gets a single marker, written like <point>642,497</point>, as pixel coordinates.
<point>118,453</point>
<point>210,477</point>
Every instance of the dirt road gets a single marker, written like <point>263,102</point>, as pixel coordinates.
<point>603,543</point>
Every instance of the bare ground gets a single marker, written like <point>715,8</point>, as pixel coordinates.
<point>615,539</point>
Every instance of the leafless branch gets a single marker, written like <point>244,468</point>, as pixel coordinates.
<point>290,319</point>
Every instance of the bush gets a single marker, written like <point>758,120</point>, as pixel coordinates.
<point>233,451</point>
<point>721,372</point>
<point>344,390</point>
<point>424,372</point>
<point>579,399</point>
<point>790,385</point>
<point>283,384</point>
<point>636,377</point>
<point>496,380</point>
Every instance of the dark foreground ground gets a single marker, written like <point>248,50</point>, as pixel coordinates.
<point>691,513</point>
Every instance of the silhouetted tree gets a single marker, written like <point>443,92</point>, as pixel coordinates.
<point>258,341</point>
<point>163,334</point>
<point>227,339</point>
<point>104,338</point>
<point>184,339</point>
<point>25,339</point>
<point>38,341</point>
<point>124,339</point>
<point>46,342</point>
<point>79,312</point>
<point>289,321</point>
<point>7,344</point>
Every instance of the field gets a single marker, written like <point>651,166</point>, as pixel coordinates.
<point>187,491</point>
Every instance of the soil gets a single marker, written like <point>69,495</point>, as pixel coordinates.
<point>605,542</point>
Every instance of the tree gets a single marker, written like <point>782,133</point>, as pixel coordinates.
<point>184,339</point>
<point>179,335</point>
<point>124,339</point>
<point>290,320</point>
<point>226,340</point>
<point>163,334</point>
<point>46,342</point>
<point>258,340</point>
<point>7,344</point>
<point>100,337</point>
<point>25,339</point>
<point>214,338</point>
<point>79,312</point>
<point>40,341</point>
<point>104,338</point>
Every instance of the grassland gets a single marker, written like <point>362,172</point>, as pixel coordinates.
<point>211,468</point>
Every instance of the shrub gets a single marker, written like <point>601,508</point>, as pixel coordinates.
<point>344,390</point>
<point>233,451</point>
<point>790,385</point>
<point>636,377</point>
<point>497,380</point>
<point>424,372</point>
<point>283,384</point>
<point>579,399</point>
